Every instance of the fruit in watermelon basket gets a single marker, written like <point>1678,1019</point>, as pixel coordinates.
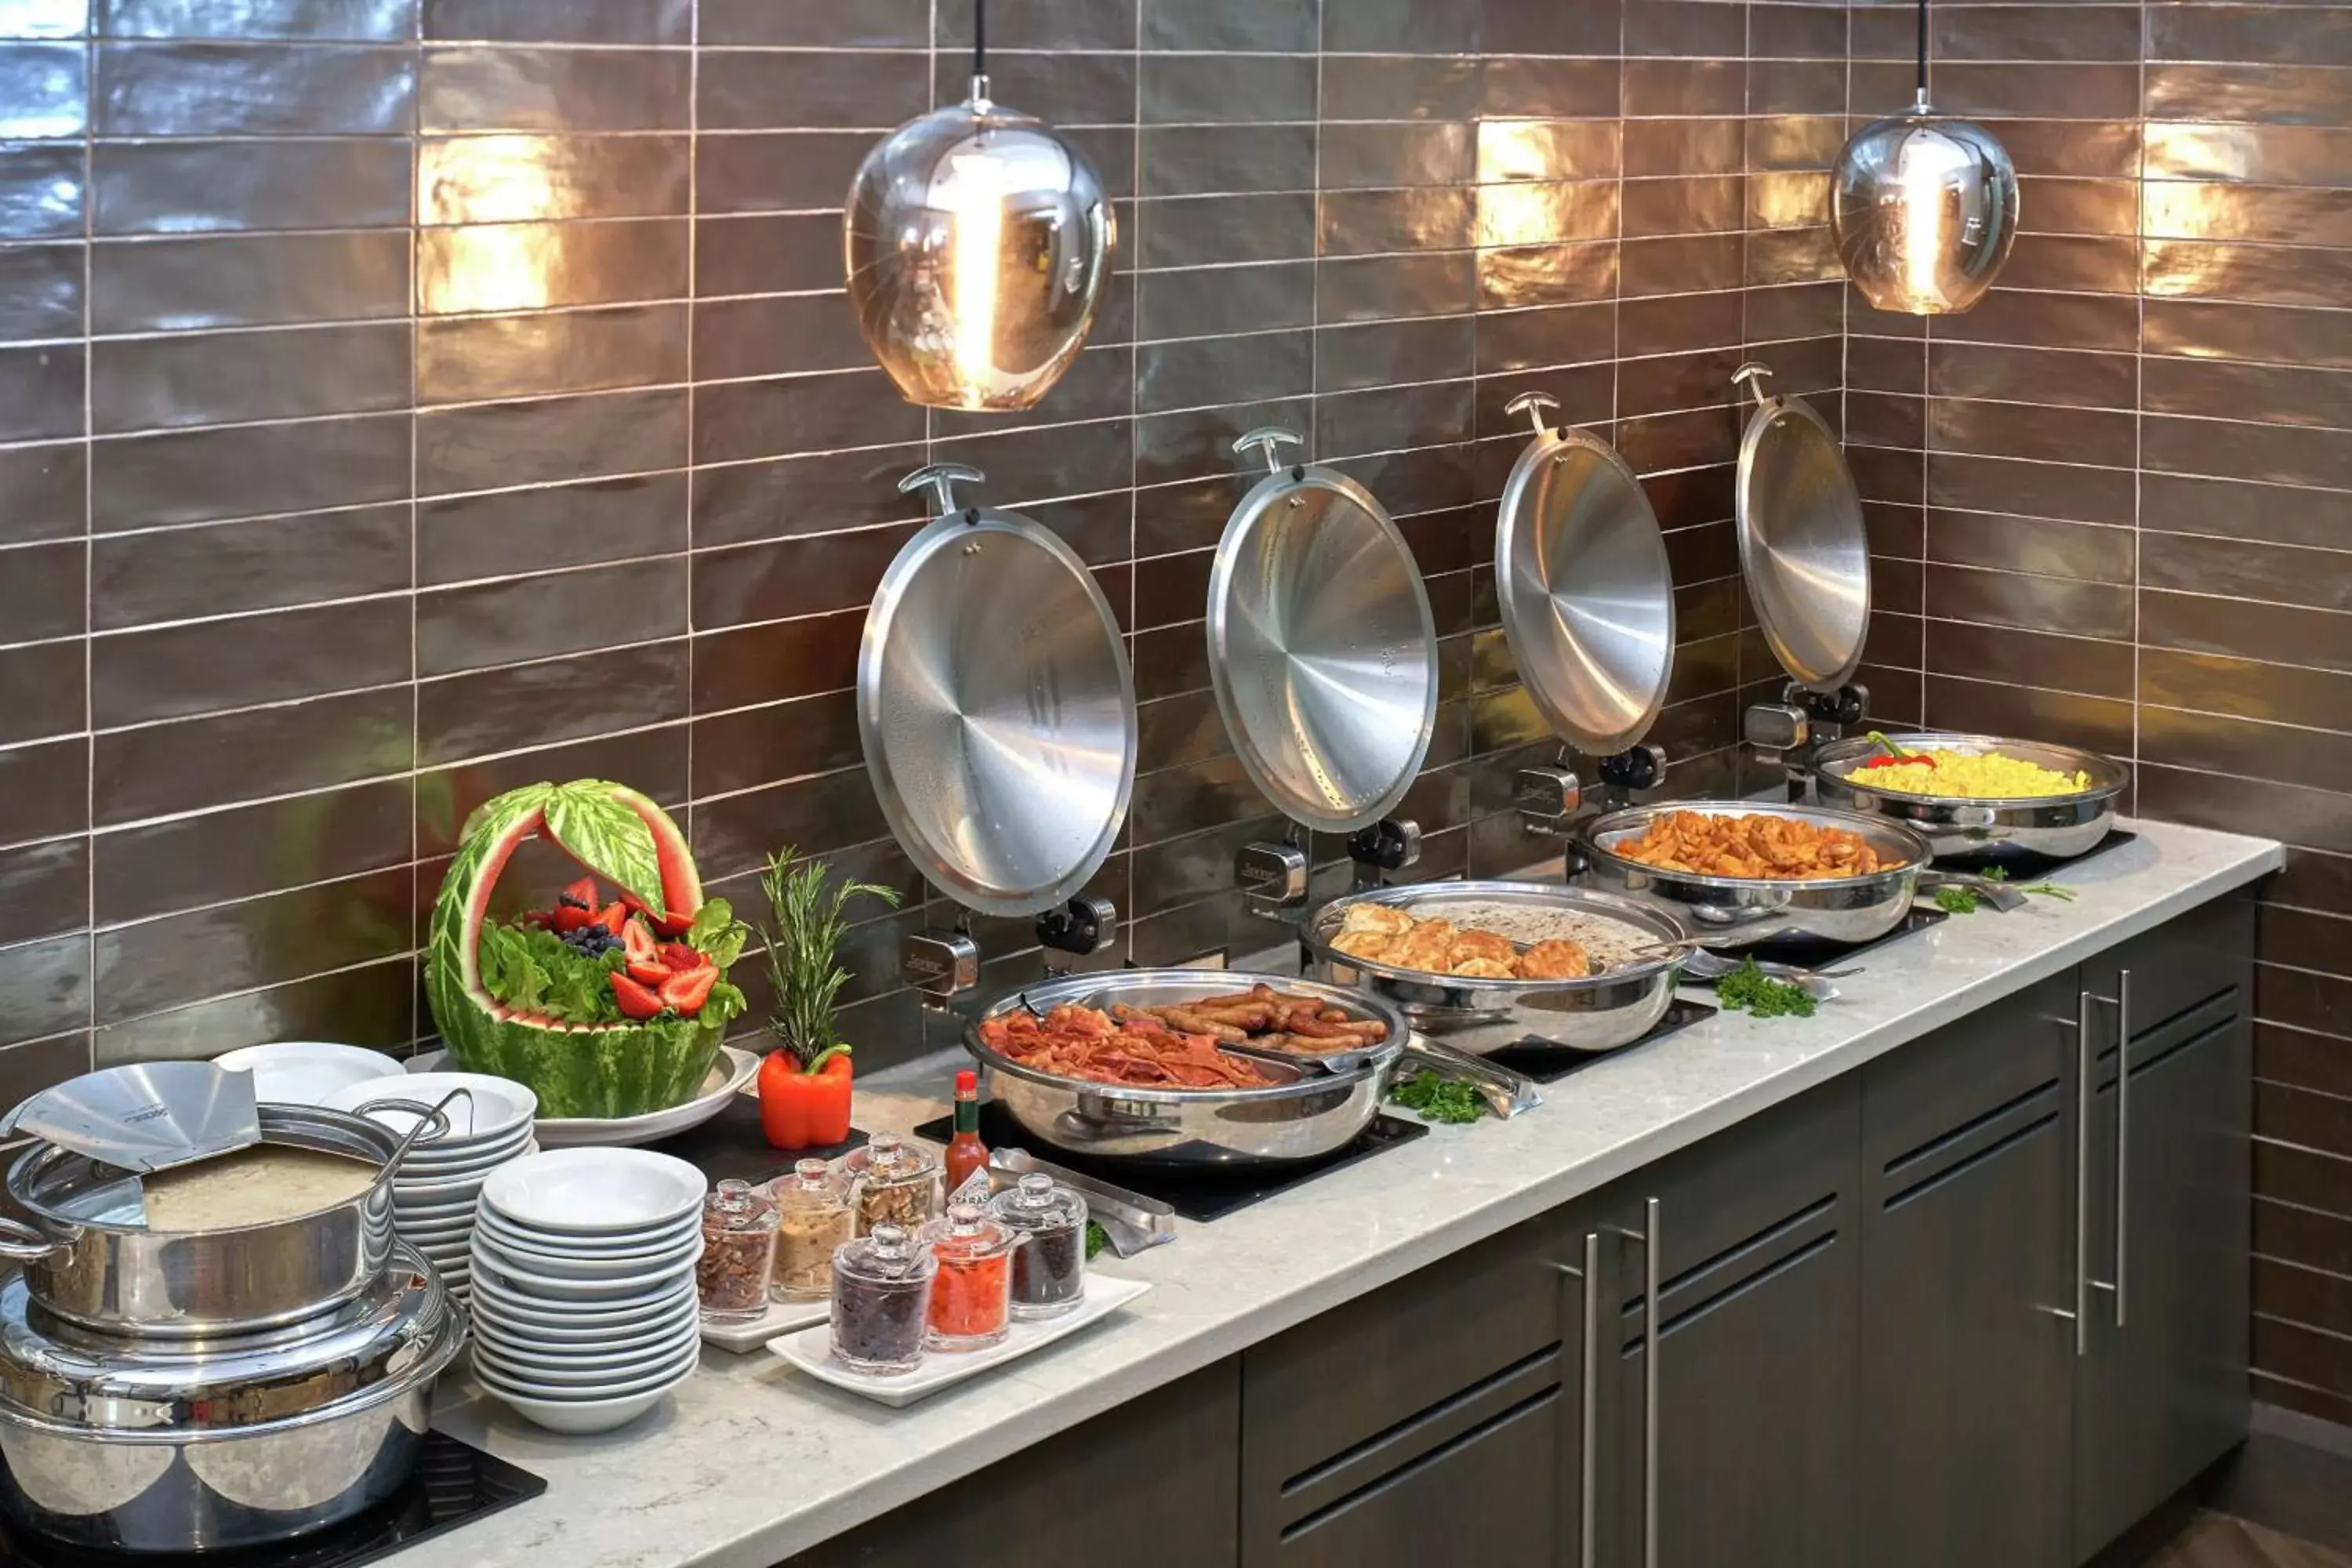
<point>614,1003</point>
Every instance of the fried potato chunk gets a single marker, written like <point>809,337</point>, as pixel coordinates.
<point>1557,959</point>
<point>1771,848</point>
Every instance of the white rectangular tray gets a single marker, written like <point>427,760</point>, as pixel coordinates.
<point>810,1350</point>
<point>781,1318</point>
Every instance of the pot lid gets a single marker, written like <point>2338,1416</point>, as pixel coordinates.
<point>401,1331</point>
<point>144,1116</point>
<point>1321,644</point>
<point>996,706</point>
<point>1585,594</point>
<point>1802,547</point>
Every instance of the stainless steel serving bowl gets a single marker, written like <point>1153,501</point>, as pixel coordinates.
<point>1601,1012</point>
<point>89,1258</point>
<point>1743,911</point>
<point>245,1440</point>
<point>1310,1115</point>
<point>1981,831</point>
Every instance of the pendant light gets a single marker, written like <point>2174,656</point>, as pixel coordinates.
<point>977,242</point>
<point>1924,208</point>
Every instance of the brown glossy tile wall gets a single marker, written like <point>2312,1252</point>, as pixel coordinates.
<point>403,399</point>
<point>2128,479</point>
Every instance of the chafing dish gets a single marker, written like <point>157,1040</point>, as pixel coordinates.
<point>1981,831</point>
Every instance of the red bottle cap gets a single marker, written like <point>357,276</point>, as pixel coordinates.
<point>968,1082</point>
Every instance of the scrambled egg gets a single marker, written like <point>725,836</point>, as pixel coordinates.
<point>1971,775</point>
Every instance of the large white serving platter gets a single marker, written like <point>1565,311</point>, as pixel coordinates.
<point>734,1070</point>
<point>781,1318</point>
<point>810,1350</point>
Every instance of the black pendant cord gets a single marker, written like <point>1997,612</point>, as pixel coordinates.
<point>1923,51</point>
<point>979,39</point>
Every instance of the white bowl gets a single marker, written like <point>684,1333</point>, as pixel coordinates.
<point>438,1240</point>
<point>596,1192</point>
<point>421,1213</point>
<point>304,1072</point>
<point>606,1291</point>
<point>463,1150</point>
<point>518,1307</point>
<point>561,1334</point>
<point>654,1373</point>
<point>539,1271</point>
<point>474,1166</point>
<point>528,1353</point>
<point>498,1107</point>
<point>583,1417</point>
<point>528,1244</point>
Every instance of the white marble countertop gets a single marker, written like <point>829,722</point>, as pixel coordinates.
<point>751,1461</point>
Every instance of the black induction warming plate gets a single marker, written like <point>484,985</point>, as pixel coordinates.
<point>1550,1064</point>
<point>1195,1195</point>
<point>454,1484</point>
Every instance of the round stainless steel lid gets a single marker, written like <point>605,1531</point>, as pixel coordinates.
<point>1801,543</point>
<point>997,709</point>
<point>1322,646</point>
<point>1586,594</point>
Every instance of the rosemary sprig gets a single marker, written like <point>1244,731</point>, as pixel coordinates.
<point>808,913</point>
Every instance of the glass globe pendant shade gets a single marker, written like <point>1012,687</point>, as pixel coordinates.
<point>978,243</point>
<point>1925,211</point>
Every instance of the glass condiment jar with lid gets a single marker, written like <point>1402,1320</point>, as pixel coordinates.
<point>894,1184</point>
<point>739,1252</point>
<point>972,1301</point>
<point>1049,1267</point>
<point>881,1300</point>
<point>813,1219</point>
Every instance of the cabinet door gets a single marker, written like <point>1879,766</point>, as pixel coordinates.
<point>1967,1366</point>
<point>1149,1484</point>
<point>1436,1419</point>
<point>2162,1393</point>
<point>1754,1431</point>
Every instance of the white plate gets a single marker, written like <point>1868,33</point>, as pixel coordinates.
<point>595,1191</point>
<point>810,1350</point>
<point>584,1417</point>
<point>530,1340</point>
<point>433,1161</point>
<point>540,1270</point>
<point>781,1318</point>
<point>734,1068</point>
<point>527,1244</point>
<point>462,1207</point>
<point>448,1238</point>
<point>530,1285</point>
<point>304,1072</point>
<point>654,1362</point>
<point>499,1108</point>
<point>517,1308</point>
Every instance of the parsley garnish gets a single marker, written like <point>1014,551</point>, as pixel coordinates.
<point>1750,989</point>
<point>1438,1098</point>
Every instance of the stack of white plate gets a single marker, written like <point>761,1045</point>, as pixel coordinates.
<point>433,1192</point>
<point>305,1072</point>
<point>584,1306</point>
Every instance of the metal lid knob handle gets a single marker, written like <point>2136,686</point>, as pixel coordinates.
<point>1268,442</point>
<point>941,480</point>
<point>1535,404</point>
<point>1753,375</point>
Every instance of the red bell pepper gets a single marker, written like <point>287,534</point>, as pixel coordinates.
<point>805,1108</point>
<point>1883,761</point>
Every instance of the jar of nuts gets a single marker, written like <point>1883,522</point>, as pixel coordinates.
<point>893,1184</point>
<point>739,1252</point>
<point>812,1219</point>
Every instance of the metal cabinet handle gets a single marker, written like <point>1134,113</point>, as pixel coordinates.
<point>1588,1419</point>
<point>2123,1131</point>
<point>1653,1244</point>
<point>2083,1064</point>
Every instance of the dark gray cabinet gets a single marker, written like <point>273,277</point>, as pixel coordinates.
<point>1437,1419</point>
<point>2162,1381</point>
<point>1968,1347</point>
<point>1751,1428</point>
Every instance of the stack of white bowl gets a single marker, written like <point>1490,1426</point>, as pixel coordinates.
<point>434,1191</point>
<point>305,1072</point>
<point>584,1306</point>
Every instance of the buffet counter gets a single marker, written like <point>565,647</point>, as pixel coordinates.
<point>752,1462</point>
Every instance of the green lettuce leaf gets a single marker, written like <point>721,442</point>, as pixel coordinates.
<point>717,934</point>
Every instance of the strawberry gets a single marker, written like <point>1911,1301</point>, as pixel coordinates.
<point>688,991</point>
<point>571,916</point>
<point>652,974</point>
<point>636,1001</point>
<point>682,958</point>
<point>611,916</point>
<point>638,943</point>
<point>582,893</point>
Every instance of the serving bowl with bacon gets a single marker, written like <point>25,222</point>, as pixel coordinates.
<point>1129,1064</point>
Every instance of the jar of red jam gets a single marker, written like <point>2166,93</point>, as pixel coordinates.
<point>972,1295</point>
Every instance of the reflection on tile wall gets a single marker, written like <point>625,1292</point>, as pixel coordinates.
<point>2114,504</point>
<point>405,399</point>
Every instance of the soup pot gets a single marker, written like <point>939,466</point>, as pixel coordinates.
<point>88,1259</point>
